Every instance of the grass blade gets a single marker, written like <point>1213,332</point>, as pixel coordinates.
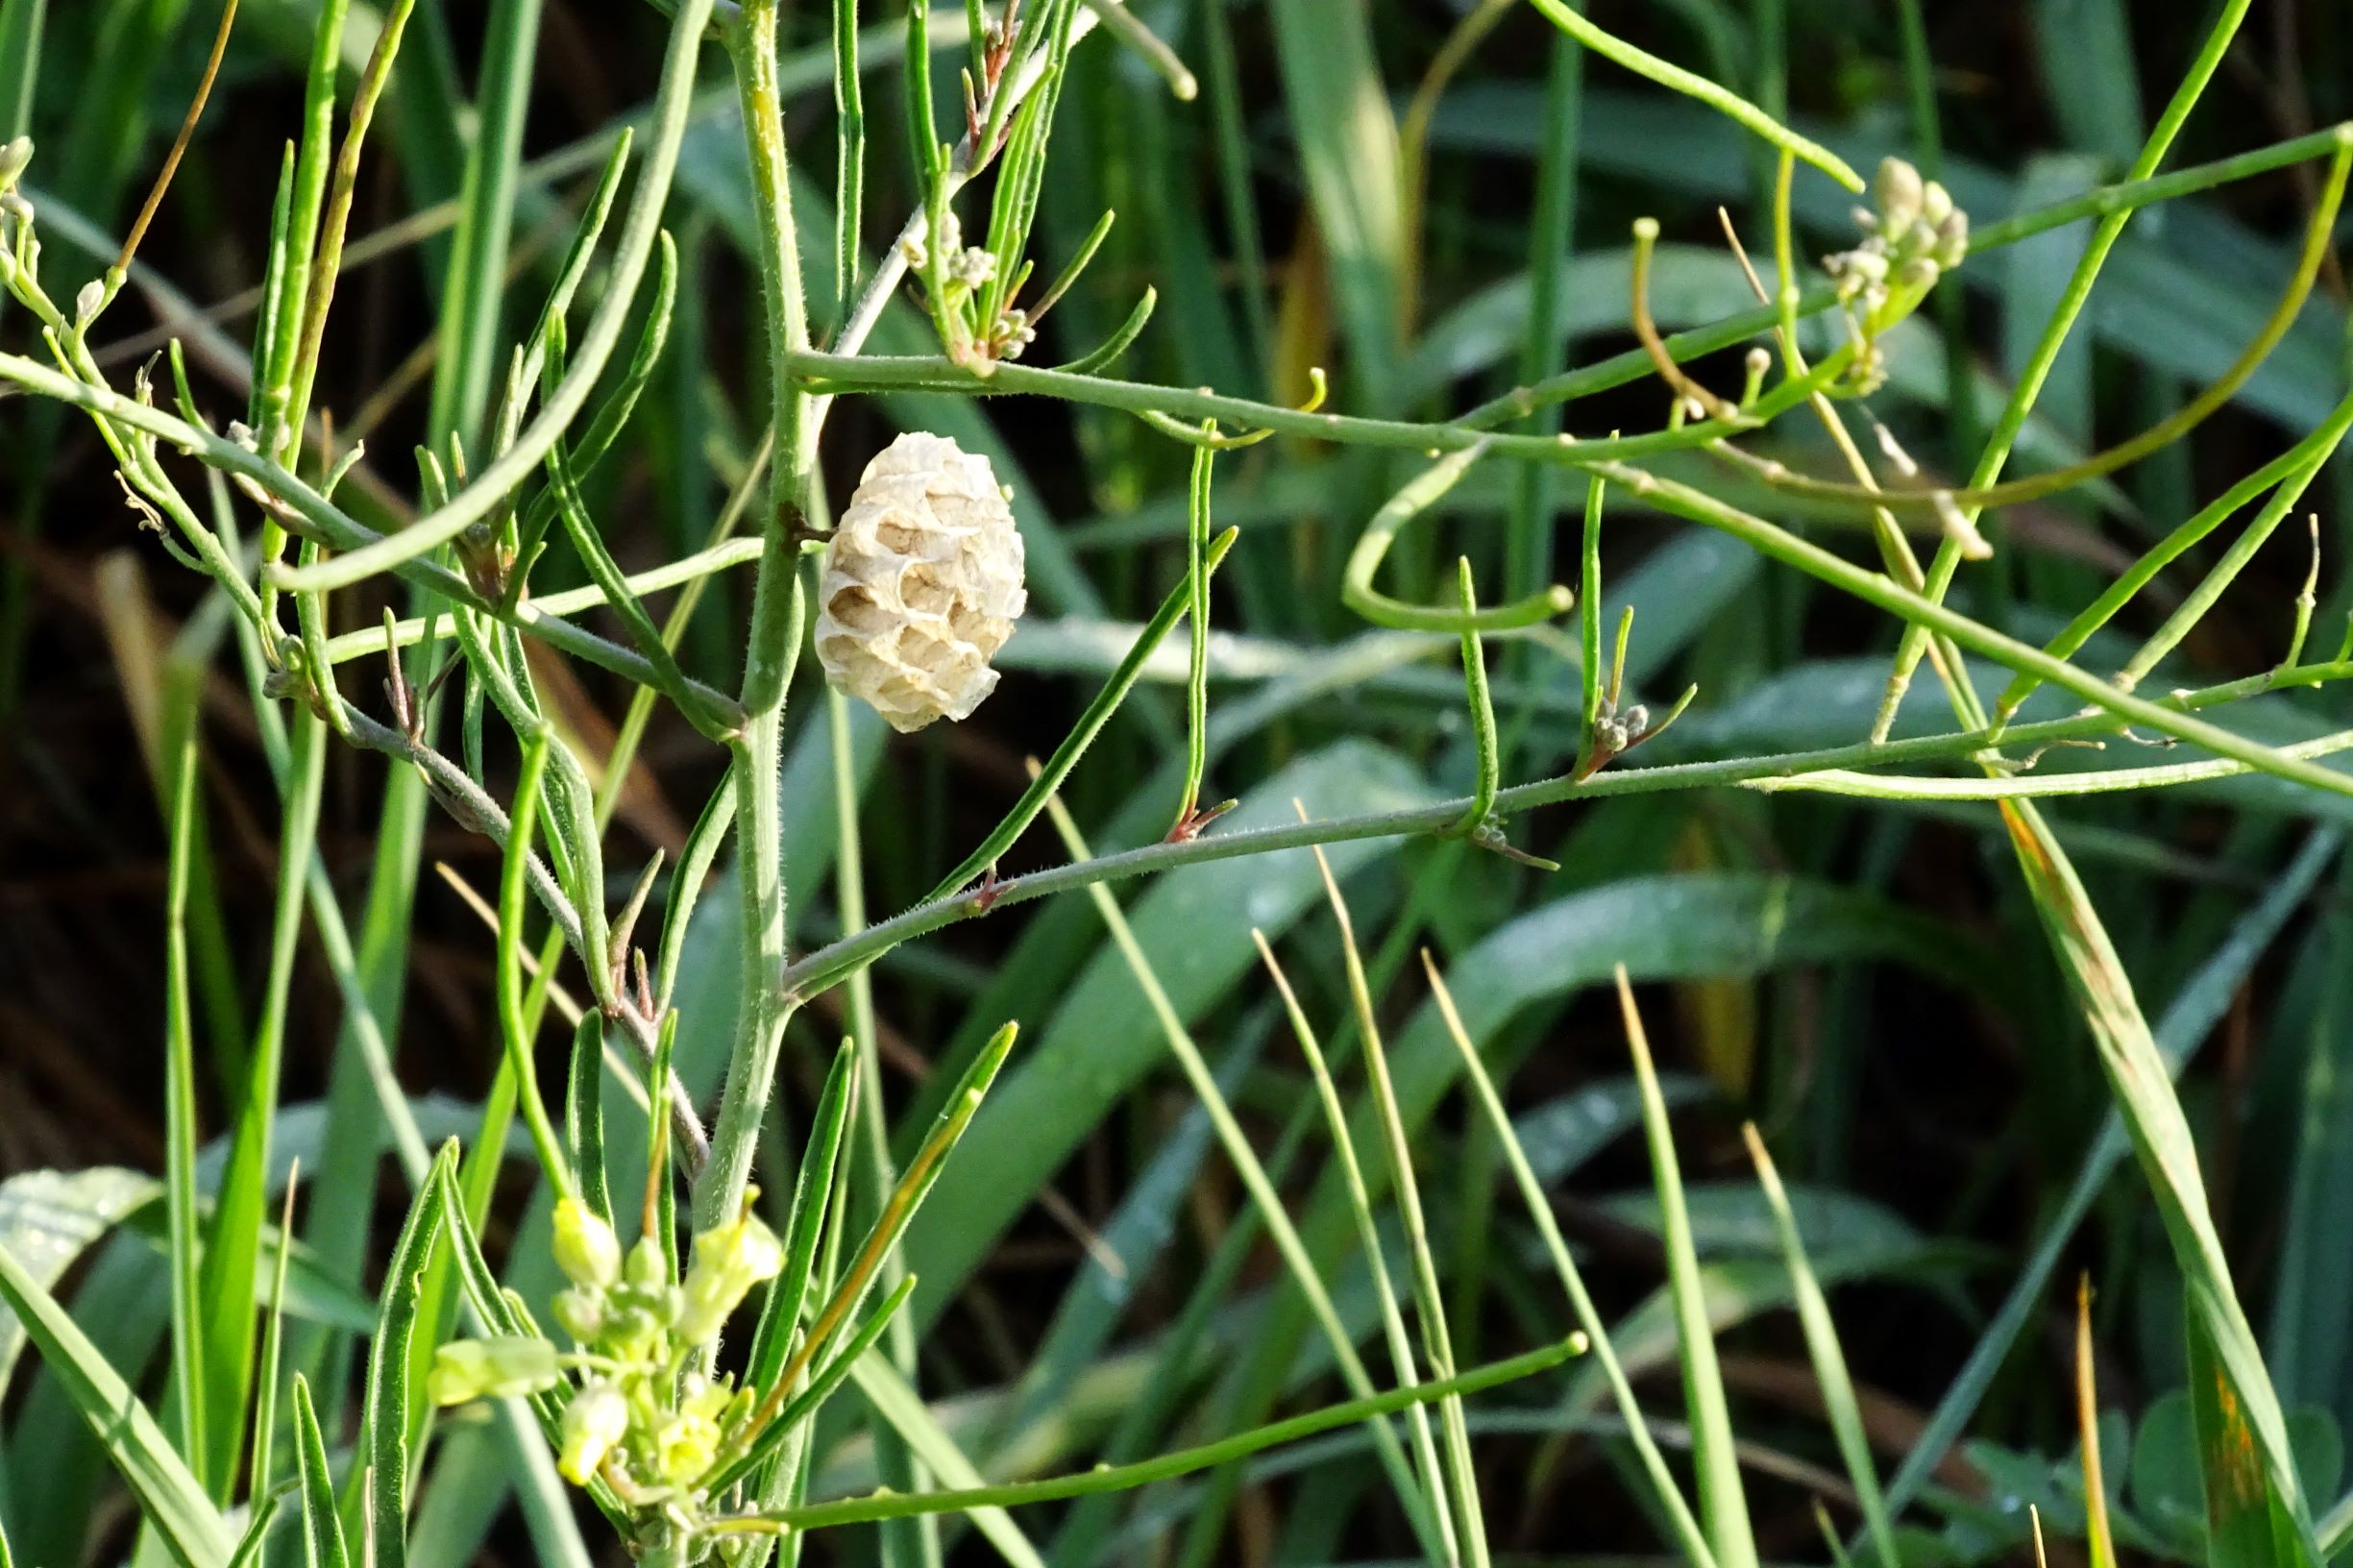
<point>584,1113</point>
<point>2246,1431</point>
<point>1829,1358</point>
<point>2201,1002</point>
<point>1724,1508</point>
<point>226,1283</point>
<point>180,1105</point>
<point>1345,1148</point>
<point>1424,1510</point>
<point>469,314</point>
<point>2099,1539</point>
<point>1429,1298</point>
<point>262,1483</point>
<point>1666,1492</point>
<point>890,1505</point>
<point>322,1526</point>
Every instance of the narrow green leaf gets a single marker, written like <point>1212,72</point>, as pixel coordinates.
<point>189,1358</point>
<point>469,316</point>
<point>391,1401</point>
<point>322,1526</point>
<point>233,1248</point>
<point>813,1190</point>
<point>49,1218</point>
<point>261,1478</point>
<point>1723,1507</point>
<point>20,53</point>
<point>2242,1426</point>
<point>261,1515</point>
<point>2247,1525</point>
<point>584,1113</point>
<point>1829,1359</point>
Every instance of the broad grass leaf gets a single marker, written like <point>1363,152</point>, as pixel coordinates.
<point>1101,1039</point>
<point>49,1218</point>
<point>2254,1499</point>
<point>169,1495</point>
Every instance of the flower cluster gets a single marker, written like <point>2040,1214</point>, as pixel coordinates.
<point>1914,237</point>
<point>964,275</point>
<point>645,1418</point>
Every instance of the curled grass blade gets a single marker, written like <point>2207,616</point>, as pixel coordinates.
<point>170,1497</point>
<point>392,1402</point>
<point>322,1526</point>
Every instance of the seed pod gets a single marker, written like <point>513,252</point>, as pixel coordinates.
<point>923,583</point>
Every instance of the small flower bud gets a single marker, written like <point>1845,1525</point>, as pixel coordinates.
<point>88,302</point>
<point>495,1368</point>
<point>1935,204</point>
<point>582,1312</point>
<point>597,1418</point>
<point>1952,239</point>
<point>648,1269</point>
<point>971,267</point>
<point>684,1449</point>
<point>698,1395</point>
<point>1898,192</point>
<point>586,1249</point>
<point>728,1263</point>
<point>15,157</point>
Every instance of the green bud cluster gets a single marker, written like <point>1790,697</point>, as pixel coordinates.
<point>19,250</point>
<point>644,1417</point>
<point>1913,235</point>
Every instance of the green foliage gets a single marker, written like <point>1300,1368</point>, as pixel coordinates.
<point>1769,854</point>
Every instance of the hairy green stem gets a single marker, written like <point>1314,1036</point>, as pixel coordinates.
<point>512,467</point>
<point>778,617</point>
<point>1184,1462</point>
<point>829,965</point>
<point>337,530</point>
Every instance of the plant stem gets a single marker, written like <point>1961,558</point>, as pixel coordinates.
<point>2013,418</point>
<point>777,616</point>
<point>336,529</point>
<point>1184,1462</point>
<point>821,969</point>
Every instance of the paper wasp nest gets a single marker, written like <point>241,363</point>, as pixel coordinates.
<point>923,583</point>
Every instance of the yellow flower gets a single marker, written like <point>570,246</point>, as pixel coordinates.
<point>729,1261</point>
<point>597,1418</point>
<point>685,1448</point>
